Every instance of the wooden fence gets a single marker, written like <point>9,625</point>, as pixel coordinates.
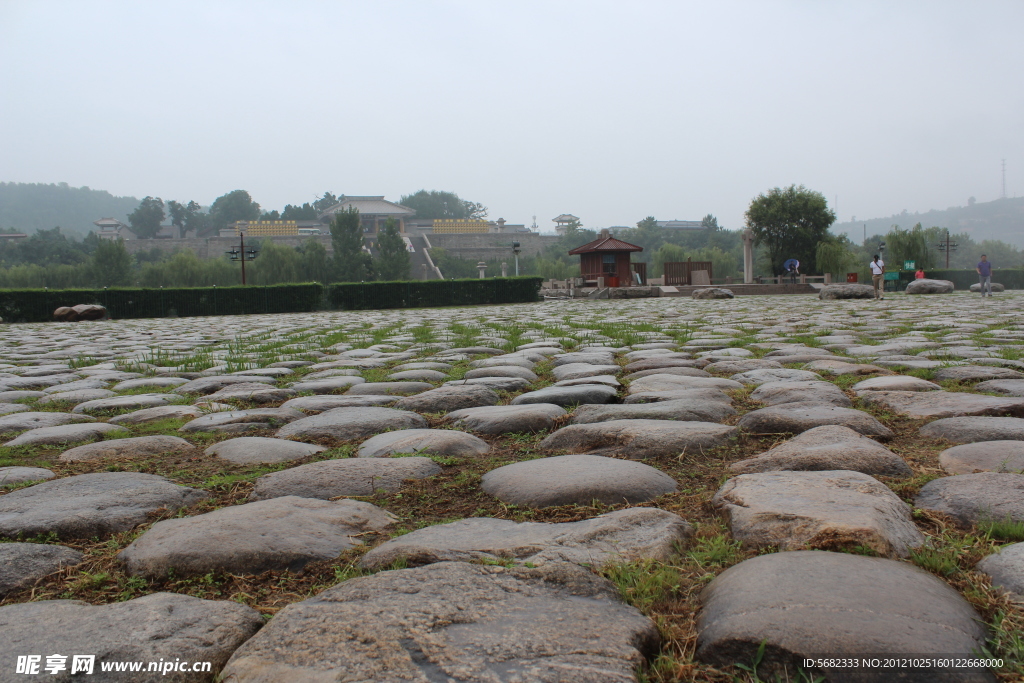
<point>681,272</point>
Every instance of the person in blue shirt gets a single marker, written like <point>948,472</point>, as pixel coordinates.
<point>985,275</point>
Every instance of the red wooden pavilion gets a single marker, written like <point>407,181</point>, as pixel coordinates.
<point>607,257</point>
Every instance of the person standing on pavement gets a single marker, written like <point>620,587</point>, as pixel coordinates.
<point>919,275</point>
<point>877,271</point>
<point>985,275</point>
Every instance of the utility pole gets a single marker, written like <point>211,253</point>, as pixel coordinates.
<point>947,246</point>
<point>241,253</point>
<point>1004,178</point>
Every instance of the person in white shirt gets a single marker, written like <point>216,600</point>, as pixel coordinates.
<point>877,270</point>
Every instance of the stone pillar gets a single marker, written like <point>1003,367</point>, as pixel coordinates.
<point>748,256</point>
<point>482,267</point>
<point>504,269</point>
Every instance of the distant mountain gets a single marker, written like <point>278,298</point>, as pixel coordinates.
<point>1002,219</point>
<point>28,207</point>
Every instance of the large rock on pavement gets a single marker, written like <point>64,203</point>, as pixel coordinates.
<point>639,439</point>
<point>89,505</point>
<point>896,383</point>
<point>121,402</point>
<point>251,450</point>
<point>449,398</point>
<point>766,375</point>
<point>166,627</point>
<point>663,382</point>
<point>208,385</point>
<point>996,287</point>
<point>347,424</point>
<point>828,510</point>
<point>322,402</point>
<point>502,371</point>
<point>580,370</point>
<point>819,392</point>
<point>799,417</point>
<point>687,410</point>
<point>928,286</point>
<point>712,293</point>
<point>280,534</point>
<point>147,415</point>
<point>797,605</point>
<point>933,404</point>
<point>328,385</point>
<point>74,314</point>
<point>973,429</point>
<point>846,291</point>
<point>706,394</point>
<point>18,422</point>
<point>1006,569</point>
<point>444,442</point>
<point>1006,387</point>
<point>20,475</point>
<point>22,564</point>
<point>535,417</point>
<point>85,431</point>
<point>620,536</point>
<point>395,388</point>
<point>455,622</point>
<point>831,447</point>
<point>568,396</point>
<point>343,477</point>
<point>576,479</point>
<point>984,456</point>
<point>136,447</point>
<point>252,392</point>
<point>974,498</point>
<point>237,421</point>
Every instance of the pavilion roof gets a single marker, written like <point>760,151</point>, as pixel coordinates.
<point>605,243</point>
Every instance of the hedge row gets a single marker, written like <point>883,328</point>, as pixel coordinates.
<point>37,305</point>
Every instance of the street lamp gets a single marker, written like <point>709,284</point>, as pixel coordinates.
<point>242,253</point>
<point>515,250</point>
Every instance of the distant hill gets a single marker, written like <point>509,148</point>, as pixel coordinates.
<point>28,207</point>
<point>1002,219</point>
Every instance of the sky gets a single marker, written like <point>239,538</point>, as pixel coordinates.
<point>611,111</point>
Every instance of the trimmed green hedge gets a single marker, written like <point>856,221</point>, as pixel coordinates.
<point>38,305</point>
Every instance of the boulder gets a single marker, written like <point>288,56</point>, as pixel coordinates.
<point>237,421</point>
<point>73,314</point>
<point>22,564</point>
<point>136,447</point>
<point>20,475</point>
<point>347,424</point>
<point>799,417</point>
<point>70,433</point>
<point>1005,568</point>
<point>443,442</point>
<point>147,415</point>
<point>75,396</point>
<point>568,396</point>
<point>281,534</point>
<point>576,479</point>
<point>688,410</point>
<point>972,429</point>
<point>927,286</point>
<point>820,392</point>
<point>996,287</point>
<point>253,450</point>
<point>88,505</point>
<point>839,606</point>
<point>622,536</point>
<point>447,399</point>
<point>984,456</point>
<point>639,439</point>
<point>712,293</point>
<point>932,404</point>
<point>974,498</point>
<point>160,627</point>
<point>827,510</point>
<point>846,291</point>
<point>455,622</point>
<point>535,417</point>
<point>328,479</point>
<point>831,447</point>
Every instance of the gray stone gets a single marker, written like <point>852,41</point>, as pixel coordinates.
<point>896,383</point>
<point>733,367</point>
<point>974,498</point>
<point>449,398</point>
<point>972,429</point>
<point>503,361</point>
<point>846,291</point>
<point>16,422</point>
<point>237,421</point>
<point>328,479</point>
<point>1005,568</point>
<point>165,627</point>
<point>417,376</point>
<point>136,447</point>
<point>639,439</point>
<point>20,475</point>
<point>208,385</point>
<point>568,396</point>
<point>76,396</point>
<point>966,373</point>
<point>252,392</point>
<point>328,385</point>
<point>320,403</point>
<point>827,510</point>
<point>347,424</point>
<point>682,372</point>
<point>806,604</point>
<point>1006,387</point>
<point>423,366</point>
<point>280,534</point>
<point>758,377</point>
<point>588,357</point>
<point>534,417</point>
<point>932,404</point>
<point>796,351</point>
<point>9,408</point>
<point>121,402</point>
<point>578,370</point>
<point>445,442</point>
<point>712,293</point>
<point>995,286</point>
<point>799,417</point>
<point>663,382</point>
<point>90,505</point>
<point>663,362</point>
<point>820,392</point>
<point>250,450</point>
<point>606,380</point>
<point>502,371</point>
<point>621,536</point>
<point>927,286</point>
<point>330,374</point>
<point>147,415</point>
<point>22,564</point>
<point>687,410</point>
<point>984,456</point>
<point>508,384</point>
<point>19,395</point>
<point>715,395</point>
<point>839,367</point>
<point>69,433</point>
<point>576,479</point>
<point>154,382</point>
<point>398,388</point>
<point>454,622</point>
<point>831,447</point>
<point>266,372</point>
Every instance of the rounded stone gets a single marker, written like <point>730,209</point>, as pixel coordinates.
<point>22,564</point>
<point>533,417</point>
<point>830,447</point>
<point>327,385</point>
<point>567,396</point>
<point>329,479</point>
<point>762,376</point>
<point>251,392</point>
<point>346,424</point>
<point>137,447</point>
<point>576,479</point>
<point>799,417</point>
<point>249,450</point>
<point>154,382</point>
<point>974,498</point>
<point>21,421</point>
<point>147,415</point>
<point>20,475</point>
<point>783,391</point>
<point>502,371</point>
<point>686,410</point>
<point>236,421</point>
<point>1005,568</point>
<point>69,433</point>
<point>928,286</point>
<point>445,442</point>
<point>448,398</point>
<point>896,383</point>
<point>984,456</point>
<point>973,429</point>
<point>639,438</point>
<point>399,388</point>
<point>417,376</point>
<point>120,402</point>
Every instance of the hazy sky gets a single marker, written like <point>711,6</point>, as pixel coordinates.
<point>611,111</point>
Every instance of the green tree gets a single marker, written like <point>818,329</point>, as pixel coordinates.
<point>835,256</point>
<point>394,256</point>
<point>324,202</point>
<point>111,264</point>
<point>438,204</point>
<point>910,245</point>
<point>236,205</point>
<point>649,223</point>
<point>709,222</point>
<point>666,253</point>
<point>790,222</point>
<point>146,218</point>
<point>351,262</point>
<point>196,221</point>
<point>177,211</point>
<point>306,212</point>
<point>313,261</point>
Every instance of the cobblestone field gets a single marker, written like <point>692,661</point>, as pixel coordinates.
<point>656,490</point>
